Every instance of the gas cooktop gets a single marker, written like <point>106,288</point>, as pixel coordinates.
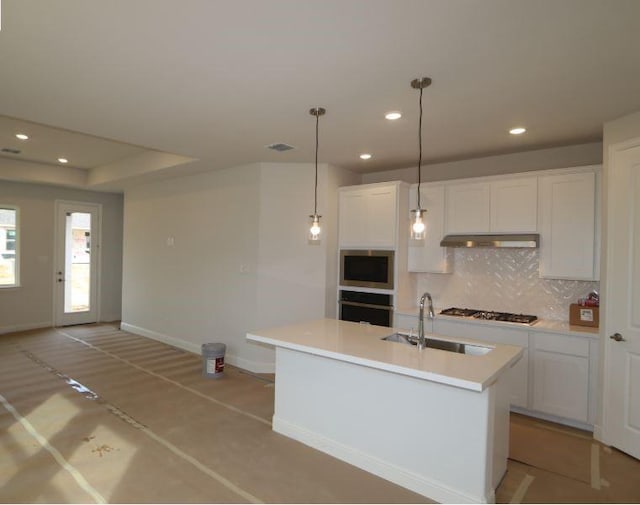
<point>490,315</point>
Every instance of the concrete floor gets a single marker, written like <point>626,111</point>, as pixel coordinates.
<point>94,414</point>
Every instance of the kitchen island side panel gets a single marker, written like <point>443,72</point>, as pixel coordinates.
<point>437,440</point>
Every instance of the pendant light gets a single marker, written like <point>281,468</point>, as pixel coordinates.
<point>418,226</point>
<point>314,230</point>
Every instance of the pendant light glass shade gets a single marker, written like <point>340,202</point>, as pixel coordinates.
<point>418,225</point>
<point>314,229</point>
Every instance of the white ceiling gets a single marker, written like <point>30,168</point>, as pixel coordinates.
<point>217,80</point>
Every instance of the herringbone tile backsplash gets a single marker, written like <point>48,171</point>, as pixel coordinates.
<point>503,280</point>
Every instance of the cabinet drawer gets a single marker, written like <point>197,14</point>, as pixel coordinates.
<point>563,344</point>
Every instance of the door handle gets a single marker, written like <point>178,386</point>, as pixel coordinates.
<point>617,337</point>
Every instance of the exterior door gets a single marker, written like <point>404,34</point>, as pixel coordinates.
<point>621,413</point>
<point>76,265</point>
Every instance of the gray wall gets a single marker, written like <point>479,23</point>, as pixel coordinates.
<point>31,304</point>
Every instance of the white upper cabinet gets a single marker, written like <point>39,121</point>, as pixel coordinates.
<point>568,226</point>
<point>353,215</point>
<point>514,205</point>
<point>467,207</point>
<point>505,205</point>
<point>427,255</point>
<point>368,216</point>
<point>382,216</point>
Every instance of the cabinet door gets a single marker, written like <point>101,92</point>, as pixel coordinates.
<point>467,208</point>
<point>353,216</point>
<point>561,384</point>
<point>381,218</point>
<point>367,217</point>
<point>514,205</point>
<point>567,226</point>
<point>517,377</point>
<point>427,255</point>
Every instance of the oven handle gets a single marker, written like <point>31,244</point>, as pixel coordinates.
<point>366,305</point>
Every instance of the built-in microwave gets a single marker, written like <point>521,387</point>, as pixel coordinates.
<point>366,268</point>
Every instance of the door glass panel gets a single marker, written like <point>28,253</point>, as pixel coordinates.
<point>8,238</point>
<point>77,262</point>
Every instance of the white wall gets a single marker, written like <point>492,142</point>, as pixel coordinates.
<point>336,178</point>
<point>192,291</point>
<point>288,266</point>
<point>31,304</point>
<point>540,159</point>
<point>240,259</point>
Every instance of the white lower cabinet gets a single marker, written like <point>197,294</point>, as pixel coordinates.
<point>518,376</point>
<point>555,379</point>
<point>561,375</point>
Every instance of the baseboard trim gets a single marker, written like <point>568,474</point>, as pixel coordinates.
<point>554,419</point>
<point>24,327</point>
<point>245,364</point>
<point>597,433</point>
<point>376,466</point>
<point>109,318</point>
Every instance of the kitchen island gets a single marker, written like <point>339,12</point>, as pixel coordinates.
<point>433,421</point>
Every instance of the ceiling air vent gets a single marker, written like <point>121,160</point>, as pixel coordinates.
<point>280,147</point>
<point>10,150</point>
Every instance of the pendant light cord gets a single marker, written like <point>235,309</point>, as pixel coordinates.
<point>315,204</point>
<point>420,148</point>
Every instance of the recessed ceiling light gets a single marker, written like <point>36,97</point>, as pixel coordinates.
<point>365,156</point>
<point>517,131</point>
<point>392,116</point>
<point>63,160</point>
<point>22,136</point>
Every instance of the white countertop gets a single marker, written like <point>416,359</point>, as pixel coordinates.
<point>541,325</point>
<point>361,344</point>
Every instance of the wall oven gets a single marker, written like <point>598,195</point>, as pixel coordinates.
<point>366,269</point>
<point>362,307</point>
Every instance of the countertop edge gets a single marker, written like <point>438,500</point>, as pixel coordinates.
<point>379,365</point>
<point>432,376</point>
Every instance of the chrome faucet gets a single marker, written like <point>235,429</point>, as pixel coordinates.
<point>430,315</point>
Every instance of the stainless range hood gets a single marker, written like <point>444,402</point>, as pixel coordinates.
<point>498,240</point>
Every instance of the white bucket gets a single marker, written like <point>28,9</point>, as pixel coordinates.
<point>213,360</point>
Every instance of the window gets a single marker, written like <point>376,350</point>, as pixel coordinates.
<point>9,247</point>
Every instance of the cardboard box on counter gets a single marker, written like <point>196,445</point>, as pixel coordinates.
<point>584,316</point>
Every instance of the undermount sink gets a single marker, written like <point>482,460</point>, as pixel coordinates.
<point>443,345</point>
